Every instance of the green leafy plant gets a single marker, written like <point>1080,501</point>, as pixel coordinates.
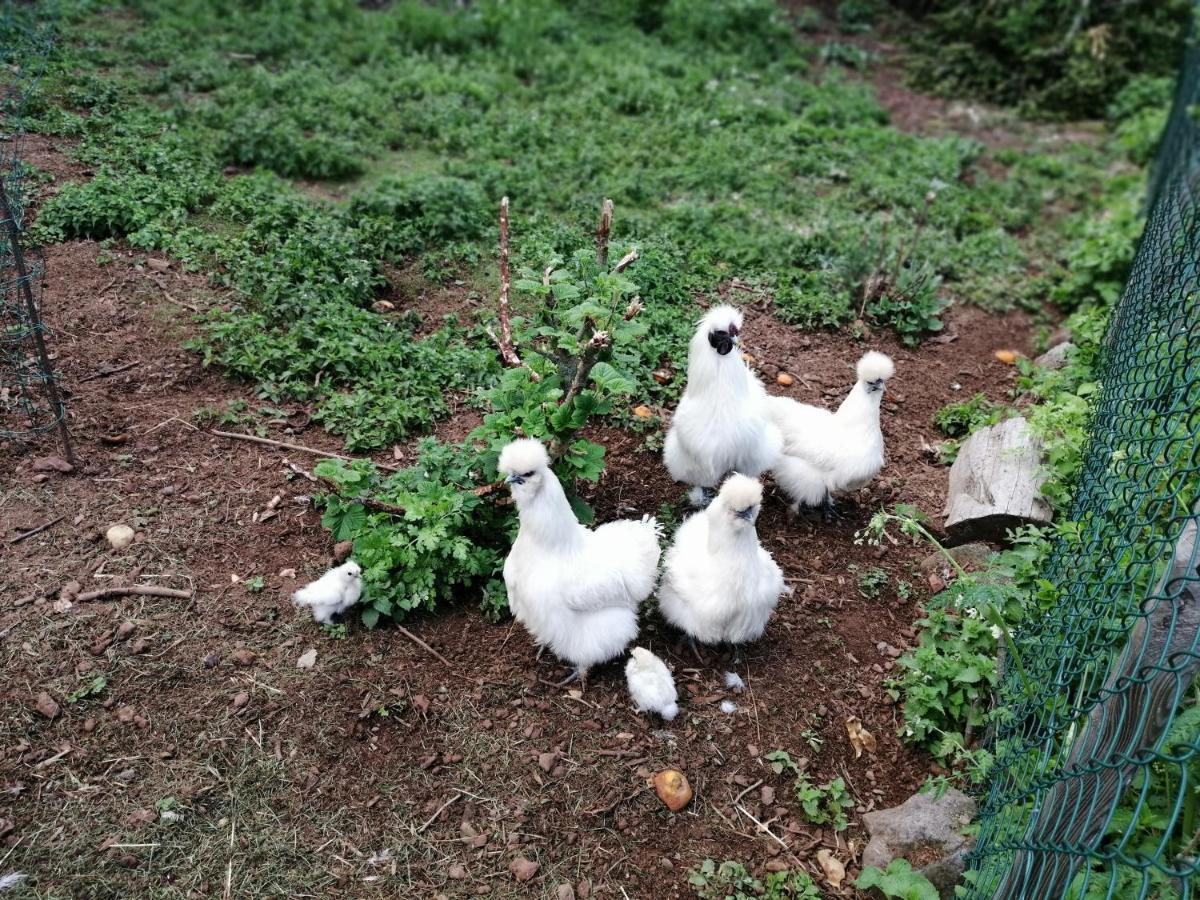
<point>958,420</point>
<point>899,880</point>
<point>255,584</point>
<point>731,881</point>
<point>872,582</point>
<point>824,805</point>
<point>91,689</point>
<point>781,761</point>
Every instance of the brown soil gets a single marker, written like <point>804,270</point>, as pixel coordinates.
<point>380,772</point>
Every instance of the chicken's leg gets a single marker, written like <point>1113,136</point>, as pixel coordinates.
<point>829,510</point>
<point>577,674</point>
<point>695,650</point>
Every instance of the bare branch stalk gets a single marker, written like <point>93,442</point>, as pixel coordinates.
<point>508,352</point>
<point>597,344</point>
<point>602,233</point>
<point>145,590</point>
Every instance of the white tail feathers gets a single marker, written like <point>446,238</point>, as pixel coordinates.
<point>670,711</point>
<point>875,366</point>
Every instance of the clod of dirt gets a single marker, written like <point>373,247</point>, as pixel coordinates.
<point>784,379</point>
<point>673,789</point>
<point>70,590</point>
<point>523,869</point>
<point>212,661</point>
<point>342,551</point>
<point>46,705</point>
<point>243,657</point>
<point>119,536</point>
<point>158,265</point>
<point>142,817</point>
<point>124,630</point>
<point>834,871</point>
<point>89,725</point>
<point>52,464</point>
<point>546,761</point>
<point>564,892</point>
<point>457,872</point>
<point>125,714</point>
<point>307,660</point>
<point>141,645</point>
<point>240,699</point>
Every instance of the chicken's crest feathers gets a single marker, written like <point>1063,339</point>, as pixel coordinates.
<point>874,366</point>
<point>741,492</point>
<point>719,318</point>
<point>521,456</point>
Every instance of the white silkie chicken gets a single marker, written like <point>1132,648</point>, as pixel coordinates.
<point>333,593</point>
<point>575,590</point>
<point>719,584</point>
<point>722,424</point>
<point>825,453</point>
<point>651,684</point>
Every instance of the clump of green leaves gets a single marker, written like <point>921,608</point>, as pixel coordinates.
<point>961,419</point>
<point>872,582</point>
<point>91,689</point>
<point>826,804</point>
<point>899,880</point>
<point>731,881</point>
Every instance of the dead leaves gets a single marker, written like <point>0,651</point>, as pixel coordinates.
<point>860,738</point>
<point>835,872</point>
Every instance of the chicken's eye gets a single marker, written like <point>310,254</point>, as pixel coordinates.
<point>527,475</point>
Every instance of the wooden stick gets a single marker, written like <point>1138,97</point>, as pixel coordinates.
<point>507,351</point>
<point>255,439</point>
<point>145,590</point>
<point>424,646</point>
<point>602,233</point>
<point>170,298</point>
<point>106,372</point>
<point>28,534</point>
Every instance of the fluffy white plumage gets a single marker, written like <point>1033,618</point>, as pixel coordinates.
<point>333,593</point>
<point>722,424</point>
<point>826,452</point>
<point>575,590</point>
<point>719,584</point>
<point>651,684</point>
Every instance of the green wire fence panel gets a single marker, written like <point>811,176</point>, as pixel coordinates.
<point>29,400</point>
<point>1095,791</point>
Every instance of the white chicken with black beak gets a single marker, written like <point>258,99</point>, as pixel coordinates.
<point>826,453</point>
<point>719,585</point>
<point>333,593</point>
<point>722,424</point>
<point>576,591</point>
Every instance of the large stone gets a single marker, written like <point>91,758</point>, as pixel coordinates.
<point>1056,357</point>
<point>995,484</point>
<point>920,828</point>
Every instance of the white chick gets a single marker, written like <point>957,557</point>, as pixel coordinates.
<point>333,593</point>
<point>825,452</point>
<point>651,684</point>
<point>722,424</point>
<point>575,590</point>
<point>719,584</point>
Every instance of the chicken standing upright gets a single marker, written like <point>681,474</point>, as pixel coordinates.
<point>333,593</point>
<point>651,684</point>
<point>719,585</point>
<point>575,590</point>
<point>826,452</point>
<point>722,424</point>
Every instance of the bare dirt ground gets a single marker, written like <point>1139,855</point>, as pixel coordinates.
<point>205,762</point>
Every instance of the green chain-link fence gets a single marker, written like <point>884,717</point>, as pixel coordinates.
<point>29,400</point>
<point>1096,785</point>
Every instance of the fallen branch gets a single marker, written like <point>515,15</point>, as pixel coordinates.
<point>254,439</point>
<point>104,373</point>
<point>31,532</point>
<point>171,299</point>
<point>424,646</point>
<point>145,590</point>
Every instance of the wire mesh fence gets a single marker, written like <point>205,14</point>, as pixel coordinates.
<point>1095,791</point>
<point>29,399</point>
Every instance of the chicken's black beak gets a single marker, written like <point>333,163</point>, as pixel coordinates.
<point>721,341</point>
<point>514,479</point>
<point>747,513</point>
<point>876,385</point>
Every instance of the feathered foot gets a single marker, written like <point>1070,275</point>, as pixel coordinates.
<point>736,649</point>
<point>578,674</point>
<point>829,510</point>
<point>541,648</point>
<point>701,497</point>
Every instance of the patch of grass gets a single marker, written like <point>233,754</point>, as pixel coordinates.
<point>724,155</point>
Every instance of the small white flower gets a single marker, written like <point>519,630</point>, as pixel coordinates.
<point>996,632</point>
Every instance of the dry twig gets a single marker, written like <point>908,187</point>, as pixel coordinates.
<point>31,532</point>
<point>298,447</point>
<point>145,590</point>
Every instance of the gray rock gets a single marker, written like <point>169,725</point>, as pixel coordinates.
<point>1056,357</point>
<point>995,484</point>
<point>919,826</point>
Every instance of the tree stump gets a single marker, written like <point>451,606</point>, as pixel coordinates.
<point>995,484</point>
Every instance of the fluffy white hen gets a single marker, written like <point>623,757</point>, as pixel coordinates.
<point>333,593</point>
<point>651,684</point>
<point>719,584</point>
<point>722,424</point>
<point>575,590</point>
<point>826,452</point>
